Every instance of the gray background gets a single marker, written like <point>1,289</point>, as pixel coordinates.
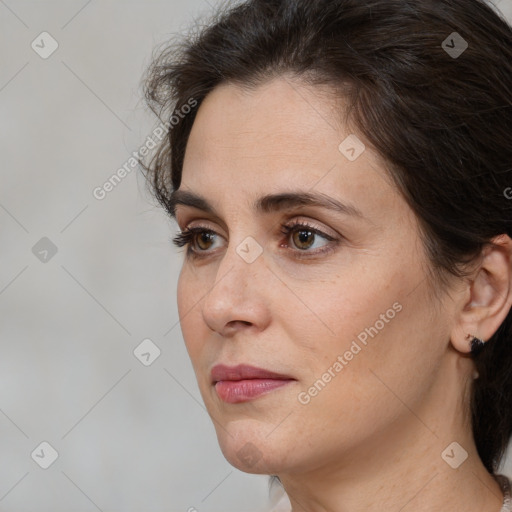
<point>129,437</point>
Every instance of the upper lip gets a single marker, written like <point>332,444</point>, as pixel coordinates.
<point>243,371</point>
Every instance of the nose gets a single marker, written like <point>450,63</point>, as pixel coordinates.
<point>239,297</point>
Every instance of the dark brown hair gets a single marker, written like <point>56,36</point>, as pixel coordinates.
<point>441,120</point>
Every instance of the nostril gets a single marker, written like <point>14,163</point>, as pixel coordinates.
<point>234,322</point>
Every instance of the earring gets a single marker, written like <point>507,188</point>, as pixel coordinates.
<point>476,344</point>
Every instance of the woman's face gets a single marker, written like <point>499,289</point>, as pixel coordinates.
<point>340,307</point>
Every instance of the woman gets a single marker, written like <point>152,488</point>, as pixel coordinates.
<point>340,172</point>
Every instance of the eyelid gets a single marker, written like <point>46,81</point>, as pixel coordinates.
<point>288,220</point>
<point>206,229</point>
<point>190,215</point>
<point>325,231</point>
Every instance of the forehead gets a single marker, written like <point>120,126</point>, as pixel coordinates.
<point>280,118</point>
<point>279,136</point>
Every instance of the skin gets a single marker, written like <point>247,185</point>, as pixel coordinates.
<point>372,438</point>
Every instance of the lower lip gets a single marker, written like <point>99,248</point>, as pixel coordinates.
<point>234,391</point>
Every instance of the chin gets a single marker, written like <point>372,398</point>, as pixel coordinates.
<point>250,451</point>
<point>249,459</point>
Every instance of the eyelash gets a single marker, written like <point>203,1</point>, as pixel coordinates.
<point>187,236</point>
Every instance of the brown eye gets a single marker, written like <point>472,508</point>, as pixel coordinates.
<point>308,241</point>
<point>205,237</point>
<point>303,239</point>
<point>198,240</point>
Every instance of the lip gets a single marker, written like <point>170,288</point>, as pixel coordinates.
<point>243,382</point>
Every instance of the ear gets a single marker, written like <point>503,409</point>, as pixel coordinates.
<point>488,295</point>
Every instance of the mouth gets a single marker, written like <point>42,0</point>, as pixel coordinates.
<point>242,383</point>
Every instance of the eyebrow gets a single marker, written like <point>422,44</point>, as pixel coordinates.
<point>266,204</point>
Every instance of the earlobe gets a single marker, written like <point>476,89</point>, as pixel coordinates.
<point>476,344</point>
<point>490,298</point>
<point>467,342</point>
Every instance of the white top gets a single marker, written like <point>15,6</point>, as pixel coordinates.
<point>283,505</point>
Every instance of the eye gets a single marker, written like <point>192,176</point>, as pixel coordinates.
<point>190,235</point>
<point>304,238</point>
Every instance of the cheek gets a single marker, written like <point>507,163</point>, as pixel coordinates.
<point>366,325</point>
<point>336,312</point>
<point>379,357</point>
<point>189,308</point>
<point>191,289</point>
<point>183,294</point>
